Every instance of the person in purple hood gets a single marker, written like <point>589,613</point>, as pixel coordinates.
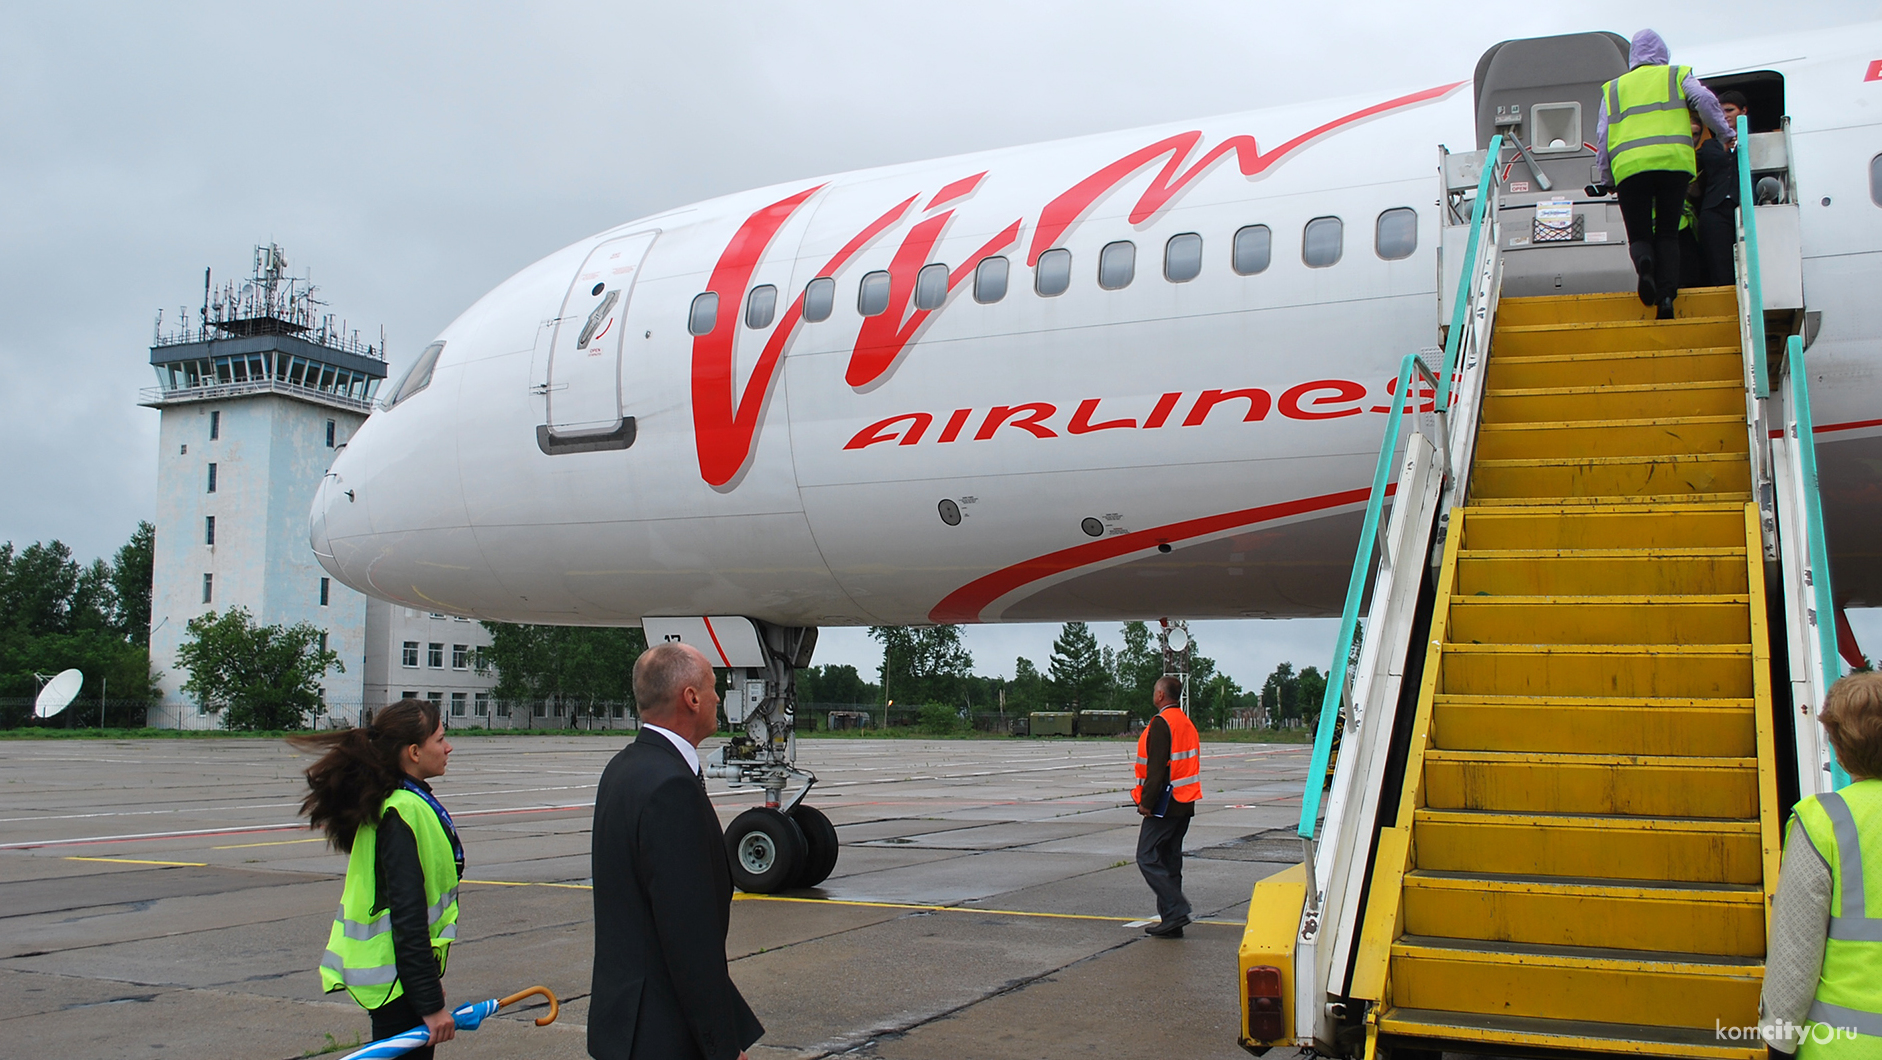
<point>1644,150</point>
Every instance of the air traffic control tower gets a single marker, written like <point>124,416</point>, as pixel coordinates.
<point>256,397</point>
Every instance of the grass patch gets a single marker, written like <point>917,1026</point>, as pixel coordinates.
<point>333,1045</point>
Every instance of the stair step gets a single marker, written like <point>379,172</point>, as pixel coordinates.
<point>1581,526</point>
<point>1607,367</point>
<point>1724,920</point>
<point>1602,336</point>
<point>1515,1034</point>
<point>1601,476</point>
<point>1722,619</point>
<point>1629,503</point>
<point>1595,572</point>
<point>1693,850</point>
<point>1695,671</point>
<point>1630,401</point>
<point>1661,786</point>
<point>1584,983</point>
<point>1594,438</point>
<point>1595,724</point>
<point>1618,305</point>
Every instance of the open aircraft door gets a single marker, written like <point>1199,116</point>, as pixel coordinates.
<point>582,381</point>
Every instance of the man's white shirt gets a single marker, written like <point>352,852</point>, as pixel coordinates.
<point>679,743</point>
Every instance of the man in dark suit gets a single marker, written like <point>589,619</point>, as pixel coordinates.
<point>663,892</point>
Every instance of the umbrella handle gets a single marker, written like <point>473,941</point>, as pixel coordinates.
<point>555,1007</point>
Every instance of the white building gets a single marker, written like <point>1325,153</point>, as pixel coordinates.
<point>255,402</point>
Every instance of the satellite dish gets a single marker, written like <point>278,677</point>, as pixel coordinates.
<point>58,692</point>
<point>1178,638</point>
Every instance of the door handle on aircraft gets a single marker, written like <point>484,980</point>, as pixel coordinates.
<point>555,442</point>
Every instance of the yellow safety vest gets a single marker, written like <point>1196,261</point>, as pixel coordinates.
<point>360,957</point>
<point>1647,124</point>
<point>1845,827</point>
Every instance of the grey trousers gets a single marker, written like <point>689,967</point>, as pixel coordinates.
<point>1160,859</point>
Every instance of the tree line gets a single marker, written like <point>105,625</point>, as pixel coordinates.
<point>58,614</point>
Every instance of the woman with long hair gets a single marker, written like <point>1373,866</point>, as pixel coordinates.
<point>398,913</point>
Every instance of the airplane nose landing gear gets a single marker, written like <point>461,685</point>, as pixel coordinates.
<point>784,844</point>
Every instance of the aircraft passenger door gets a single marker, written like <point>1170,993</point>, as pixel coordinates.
<point>584,381</point>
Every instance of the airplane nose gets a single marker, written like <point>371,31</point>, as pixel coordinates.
<point>335,508</point>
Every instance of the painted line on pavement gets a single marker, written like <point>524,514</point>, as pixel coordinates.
<point>136,861</point>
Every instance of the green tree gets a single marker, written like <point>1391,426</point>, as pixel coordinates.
<point>56,614</point>
<point>130,583</point>
<point>1136,669</point>
<point>1026,692</point>
<point>261,677</point>
<point>589,668</point>
<point>1280,694</point>
<point>1311,690</point>
<point>839,684</point>
<point>923,663</point>
<point>1080,678</point>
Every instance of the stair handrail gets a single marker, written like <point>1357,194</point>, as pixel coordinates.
<point>1813,582</point>
<point>1751,286</point>
<point>1475,287</point>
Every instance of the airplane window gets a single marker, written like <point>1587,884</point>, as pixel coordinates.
<point>1182,258</point>
<point>760,306</point>
<point>1397,236</point>
<point>1321,243</point>
<point>1253,247</point>
<point>1875,180</point>
<point>872,297</point>
<point>1054,272</point>
<point>1117,265</point>
<point>819,299</point>
<point>931,286</point>
<point>417,378</point>
<point>705,313</point>
<point>990,280</point>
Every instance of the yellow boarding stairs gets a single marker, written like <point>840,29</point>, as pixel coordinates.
<point>1553,827</point>
<point>1585,848</point>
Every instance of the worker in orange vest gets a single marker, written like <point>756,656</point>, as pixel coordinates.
<point>1169,781</point>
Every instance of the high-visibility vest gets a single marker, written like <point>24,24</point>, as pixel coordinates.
<point>1647,124</point>
<point>360,957</point>
<point>1845,827</point>
<point>1185,759</point>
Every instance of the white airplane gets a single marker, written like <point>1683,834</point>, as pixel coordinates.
<point>1119,376</point>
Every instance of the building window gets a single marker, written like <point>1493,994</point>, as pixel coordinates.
<point>558,708</point>
<point>540,709</point>
<point>209,529</point>
<point>209,588</point>
<point>408,656</point>
<point>323,640</point>
<point>1322,242</point>
<point>1254,245</point>
<point>1053,274</point>
<point>215,424</point>
<point>434,656</point>
<point>437,701</point>
<point>326,587</point>
<point>480,660</point>
<point>1397,235</point>
<point>1117,265</point>
<point>760,306</point>
<point>460,656</point>
<point>819,299</point>
<point>481,705</point>
<point>329,434</point>
<point>408,695</point>
<point>931,286</point>
<point>872,296</point>
<point>503,708</point>
<point>457,704</point>
<point>990,280</point>
<point>212,478</point>
<point>1182,258</point>
<point>704,314</point>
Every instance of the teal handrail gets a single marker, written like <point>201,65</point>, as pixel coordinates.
<point>1355,588</point>
<point>1818,544</point>
<point>1454,339</point>
<point>1748,215</point>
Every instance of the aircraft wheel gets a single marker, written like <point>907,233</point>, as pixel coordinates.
<point>820,839</point>
<point>766,850</point>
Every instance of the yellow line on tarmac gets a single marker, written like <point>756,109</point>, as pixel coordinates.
<point>276,843</point>
<point>136,861</point>
<point>743,897</point>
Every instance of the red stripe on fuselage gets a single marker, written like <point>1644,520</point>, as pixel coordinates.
<point>967,602</point>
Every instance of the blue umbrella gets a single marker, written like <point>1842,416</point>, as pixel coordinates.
<point>467,1017</point>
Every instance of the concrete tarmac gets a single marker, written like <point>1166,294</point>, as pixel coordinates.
<point>161,898</point>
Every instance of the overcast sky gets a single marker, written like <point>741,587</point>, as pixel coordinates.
<point>414,155</point>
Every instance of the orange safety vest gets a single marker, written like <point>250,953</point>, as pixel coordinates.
<point>1185,758</point>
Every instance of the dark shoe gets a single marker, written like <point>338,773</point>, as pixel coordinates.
<point>1666,310</point>
<point>1167,929</point>
<point>1648,295</point>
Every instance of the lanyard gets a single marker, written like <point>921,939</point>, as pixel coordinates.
<point>444,818</point>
